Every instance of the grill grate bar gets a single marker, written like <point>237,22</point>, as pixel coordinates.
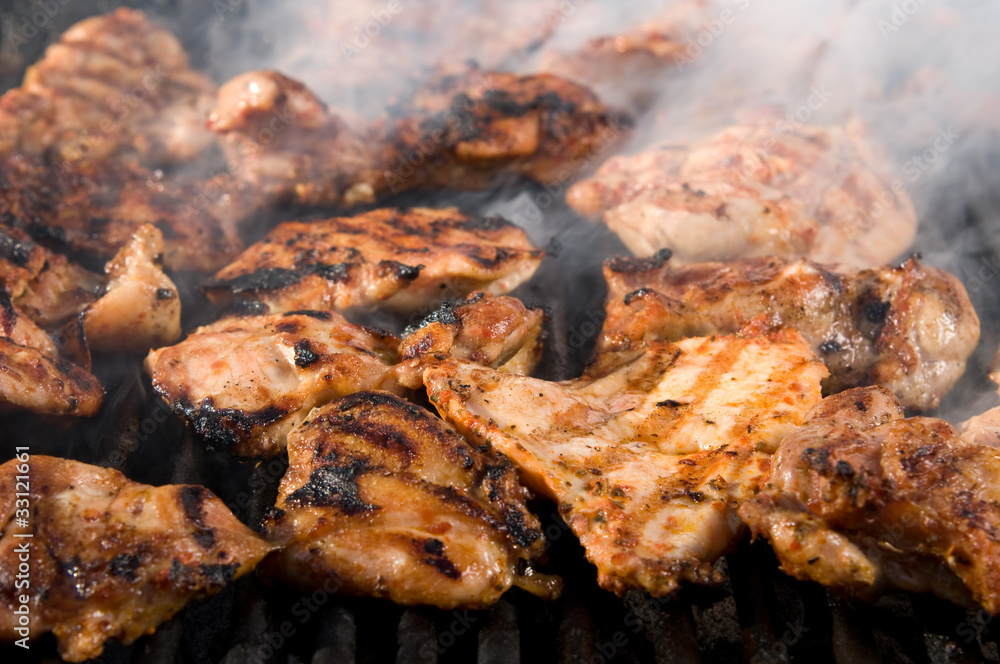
<point>337,638</point>
<point>416,635</point>
<point>500,639</point>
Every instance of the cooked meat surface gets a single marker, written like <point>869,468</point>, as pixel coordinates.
<point>141,308</point>
<point>244,381</point>
<point>496,332</point>
<point>113,85</point>
<point>108,557</point>
<point>648,462</point>
<point>96,208</point>
<point>389,501</point>
<point>762,188</point>
<point>862,499</point>
<point>466,130</point>
<point>280,139</point>
<point>34,378</point>
<point>403,260</point>
<point>910,328</point>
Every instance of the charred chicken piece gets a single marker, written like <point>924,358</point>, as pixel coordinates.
<point>466,130</point>
<point>863,500</point>
<point>910,328</point>
<point>389,501</point>
<point>96,208</point>
<point>756,189</point>
<point>111,558</point>
<point>402,260</point>
<point>34,377</point>
<point>648,462</point>
<point>244,382</point>
<point>112,86</point>
<point>497,332</point>
<point>280,139</point>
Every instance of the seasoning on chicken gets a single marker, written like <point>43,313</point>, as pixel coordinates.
<point>96,208</point>
<point>33,376</point>
<point>864,500</point>
<point>496,332</point>
<point>280,139</point>
<point>757,189</point>
<point>466,130</point>
<point>647,462</point>
<point>910,328</point>
<point>112,86</point>
<point>111,558</point>
<point>244,382</point>
<point>402,260</point>
<point>391,502</point>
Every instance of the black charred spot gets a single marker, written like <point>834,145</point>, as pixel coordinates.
<point>495,472</point>
<point>124,566</point>
<point>192,500</point>
<point>434,546</point>
<point>249,308</point>
<point>178,573</point>
<point>400,271</point>
<point>876,312</point>
<point>487,223</point>
<point>912,463</point>
<point>6,305</point>
<point>437,558</point>
<point>695,496</point>
<point>518,529</point>
<point>500,256</point>
<point>165,294</point>
<point>636,294</point>
<point>217,576</point>
<point>338,273</point>
<point>818,459</point>
<point>861,405</point>
<point>844,469</point>
<point>277,278</point>
<point>304,356</point>
<point>334,486</point>
<point>288,327</point>
<point>17,252</point>
<point>273,514</point>
<point>223,429</point>
<point>668,403</point>
<point>311,313</point>
<point>830,346</point>
<point>628,264</point>
<point>445,314</point>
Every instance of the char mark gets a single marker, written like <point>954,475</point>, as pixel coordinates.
<point>278,278</point>
<point>193,502</point>
<point>312,313</point>
<point>304,355</point>
<point>628,264</point>
<point>437,558</point>
<point>17,252</point>
<point>334,486</point>
<point>400,271</point>
<point>124,566</point>
<point>223,429</point>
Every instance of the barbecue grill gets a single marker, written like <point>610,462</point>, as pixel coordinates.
<point>757,615</point>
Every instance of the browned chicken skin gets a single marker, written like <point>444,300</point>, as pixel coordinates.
<point>649,461</point>
<point>279,138</point>
<point>113,85</point>
<point>762,188</point>
<point>244,382</point>
<point>111,558</point>
<point>387,500</point>
<point>496,332</point>
<point>910,328</point>
<point>464,131</point>
<point>862,500</point>
<point>402,260</point>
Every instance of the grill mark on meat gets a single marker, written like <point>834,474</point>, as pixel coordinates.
<point>218,575</point>
<point>399,270</point>
<point>312,313</point>
<point>224,428</point>
<point>334,486</point>
<point>276,278</point>
<point>624,264</point>
<point>304,356</point>
<point>437,558</point>
<point>192,500</point>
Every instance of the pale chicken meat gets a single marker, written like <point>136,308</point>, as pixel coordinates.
<point>648,462</point>
<point>762,188</point>
<point>910,328</point>
<point>497,332</point>
<point>95,207</point>
<point>34,377</point>
<point>244,381</point>
<point>281,140</point>
<point>864,500</point>
<point>113,85</point>
<point>401,260</point>
<point>469,130</point>
<point>110,558</point>
<point>386,500</point>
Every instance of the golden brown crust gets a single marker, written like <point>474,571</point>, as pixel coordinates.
<point>403,260</point>
<point>910,328</point>
<point>391,502</point>
<point>111,558</point>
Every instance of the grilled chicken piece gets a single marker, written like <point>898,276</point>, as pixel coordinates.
<point>391,502</point>
<point>622,69</point>
<point>496,332</point>
<point>96,208</point>
<point>141,308</point>
<point>910,328</point>
<point>110,558</point>
<point>113,85</point>
<point>396,259</point>
<point>648,462</point>
<point>244,382</point>
<point>755,189</point>
<point>33,376</point>
<point>466,130</point>
<point>863,500</point>
<point>281,140</point>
